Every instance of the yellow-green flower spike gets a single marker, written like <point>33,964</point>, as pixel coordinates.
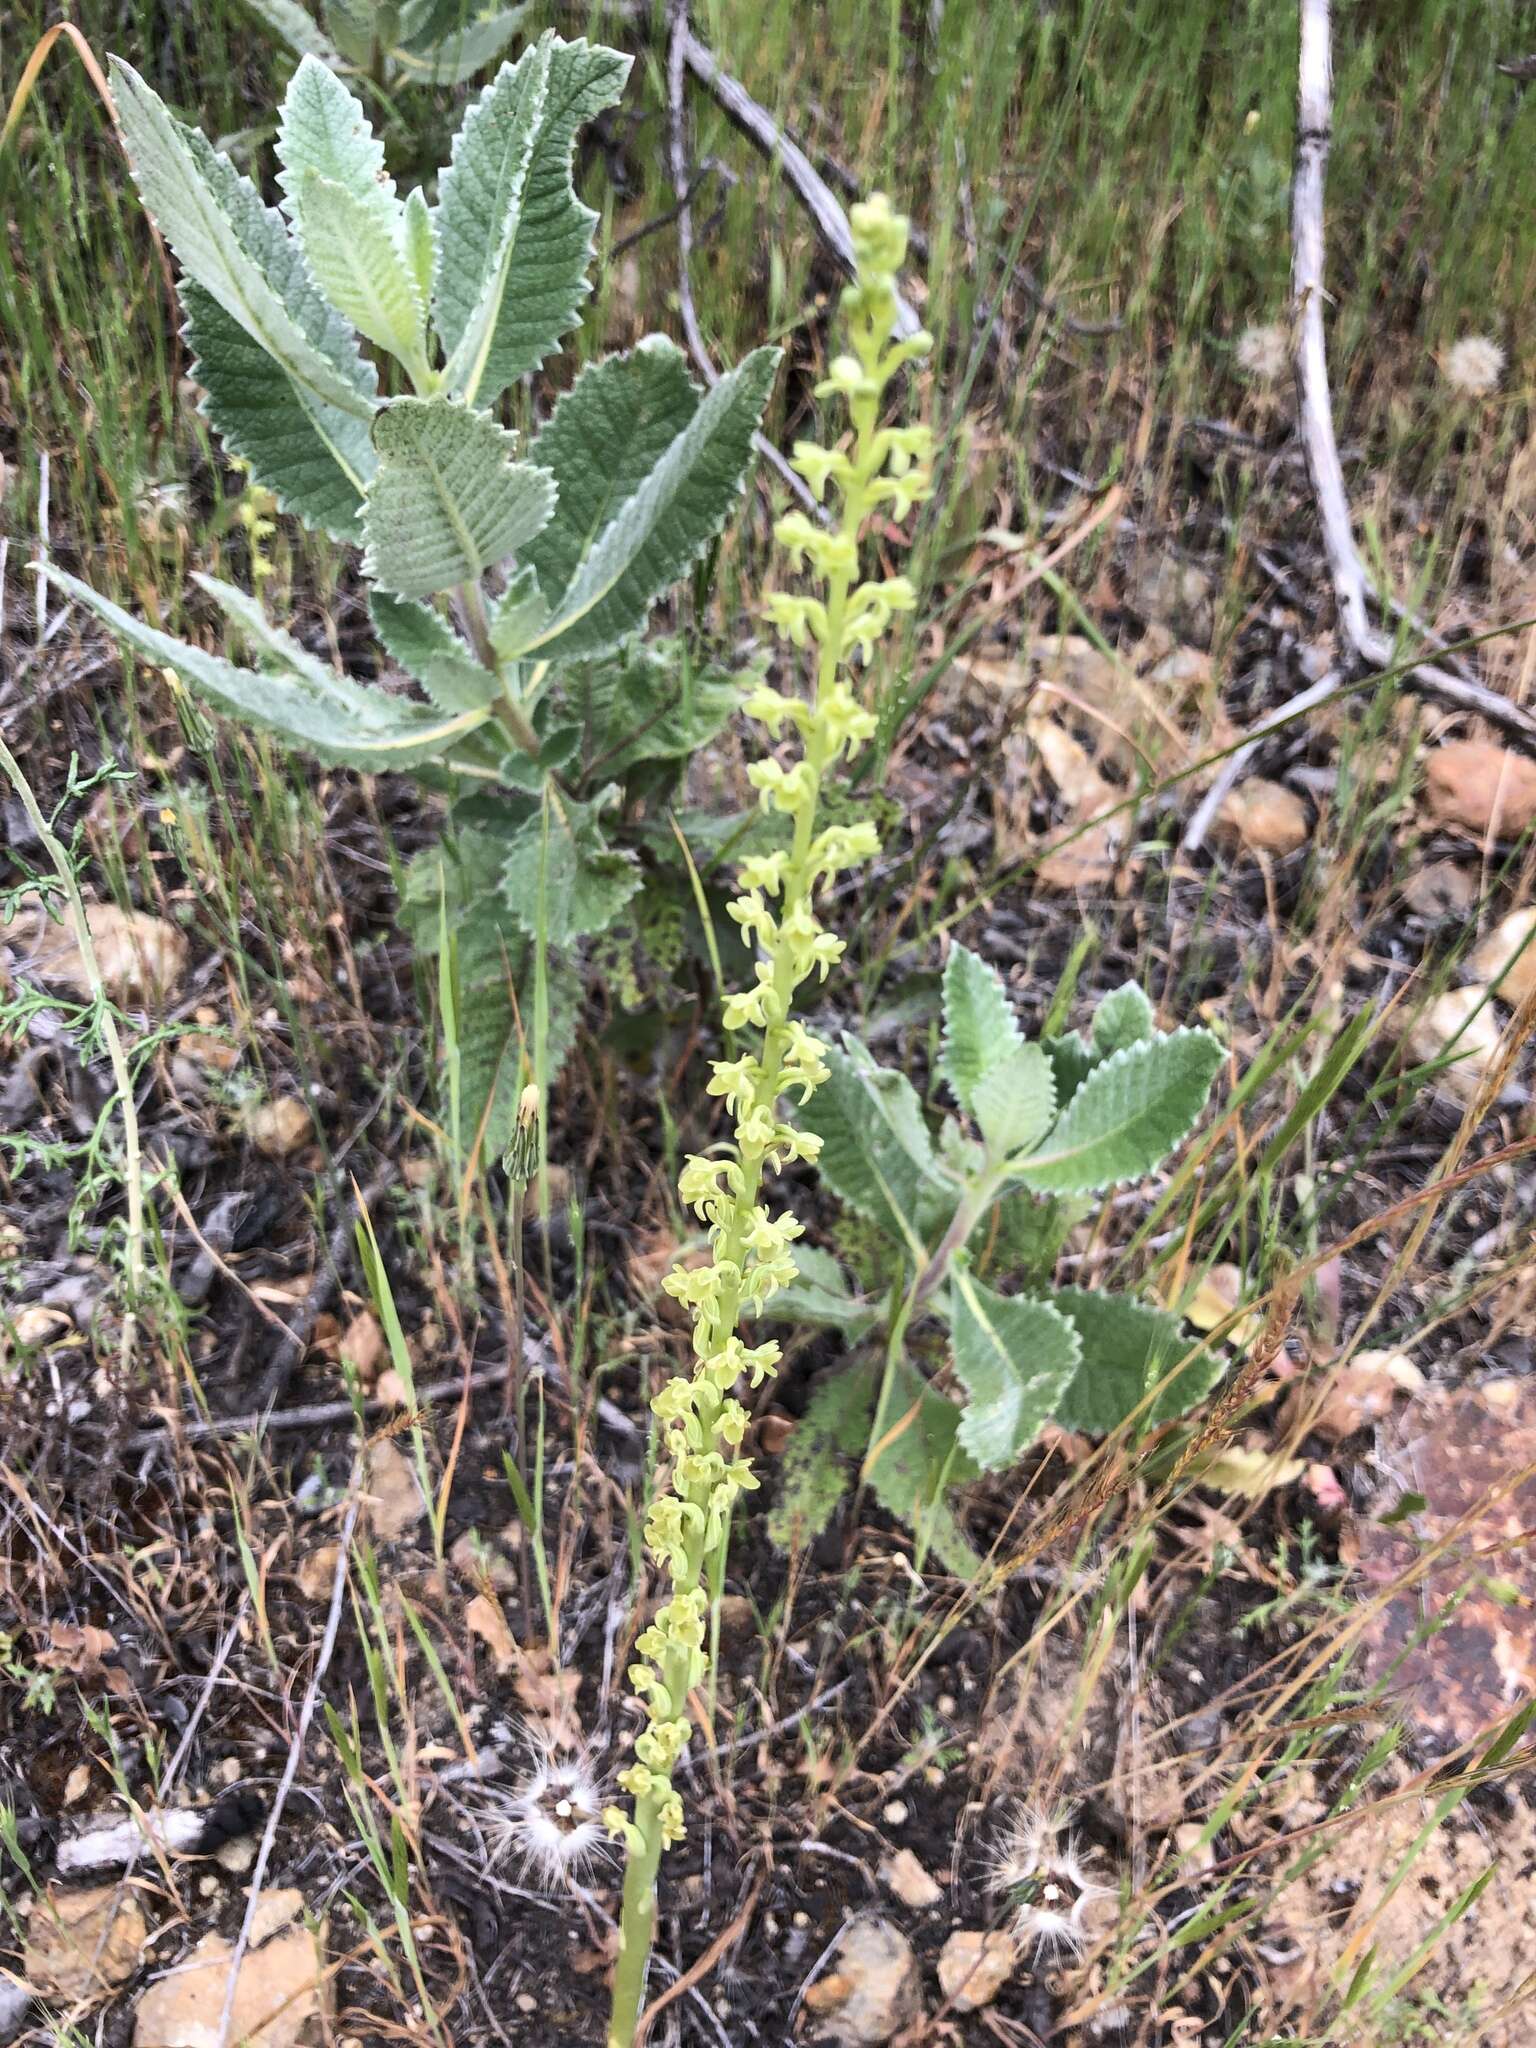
<point>702,1424</point>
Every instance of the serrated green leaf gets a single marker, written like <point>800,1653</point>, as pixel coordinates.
<point>561,872</point>
<point>356,253</point>
<point>917,1461</point>
<point>876,1154</point>
<point>324,128</point>
<point>603,439</point>
<point>426,647</point>
<point>1123,1017</point>
<point>239,250</point>
<point>354,26</point>
<point>819,1296</point>
<point>289,20</point>
<point>656,534</point>
<point>979,1025</point>
<point>520,611</point>
<point>1127,1116</point>
<point>1072,1061</point>
<point>448,501</point>
<point>305,703</point>
<point>420,242</point>
<point>1015,1100</point>
<point>316,460</point>
<point>648,702</point>
<point>816,1468</point>
<point>494,962</point>
<point>514,242</point>
<point>1015,1357</point>
<point>1128,1348</point>
<point>464,45</point>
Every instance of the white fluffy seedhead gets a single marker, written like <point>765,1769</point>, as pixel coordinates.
<point>1264,353</point>
<point>1038,1866</point>
<point>549,1819</point>
<point>1474,365</point>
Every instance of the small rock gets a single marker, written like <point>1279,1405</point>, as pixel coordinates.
<point>1175,594</point>
<point>1506,959</point>
<point>975,1965</point>
<point>875,1989</point>
<point>280,1126</point>
<point>1460,1026</point>
<point>81,1943</point>
<point>904,1875</point>
<point>392,1390</point>
<point>316,1573</point>
<point>1481,787</point>
<point>1440,889</point>
<point>277,1992</point>
<point>1267,817</point>
<point>14,2001</point>
<point>394,1498</point>
<point>35,1325</point>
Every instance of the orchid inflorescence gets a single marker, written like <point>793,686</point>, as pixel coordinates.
<point>702,1422</point>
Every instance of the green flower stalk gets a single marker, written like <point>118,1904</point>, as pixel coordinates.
<point>881,469</point>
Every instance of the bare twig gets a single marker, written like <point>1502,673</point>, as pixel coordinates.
<point>295,1752</point>
<point>759,127</point>
<point>1351,585</point>
<point>679,39</point>
<point>1233,768</point>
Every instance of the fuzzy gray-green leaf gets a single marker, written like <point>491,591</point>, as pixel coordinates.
<point>1015,1357</point>
<point>562,875</point>
<point>1015,1100</point>
<point>603,439</point>
<point>449,54</point>
<point>654,537</point>
<point>239,250</point>
<point>1123,1017</point>
<point>1129,1347</point>
<point>448,502</point>
<point>342,723</point>
<point>427,648</point>
<point>979,1025</point>
<point>1127,1116</point>
<point>917,1460</point>
<point>356,251</point>
<point>876,1153</point>
<point>818,1464</point>
<point>514,242</point>
<point>324,128</point>
<point>316,460</point>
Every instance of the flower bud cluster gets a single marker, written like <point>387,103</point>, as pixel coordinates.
<point>702,1423</point>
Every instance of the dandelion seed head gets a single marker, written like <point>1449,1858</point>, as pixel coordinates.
<point>550,1818</point>
<point>1263,352</point>
<point>1474,365</point>
<point>1038,1865</point>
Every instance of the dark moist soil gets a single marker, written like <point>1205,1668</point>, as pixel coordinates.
<point>105,1527</point>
